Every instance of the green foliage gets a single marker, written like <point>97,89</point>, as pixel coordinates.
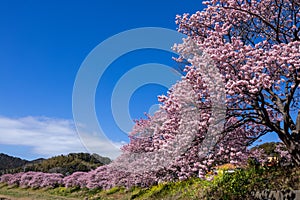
<point>113,190</point>
<point>188,189</point>
<point>231,184</point>
<point>242,182</point>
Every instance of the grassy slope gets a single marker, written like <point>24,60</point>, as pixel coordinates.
<point>13,193</point>
<point>238,185</point>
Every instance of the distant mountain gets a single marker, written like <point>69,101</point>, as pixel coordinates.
<point>9,162</point>
<point>65,164</point>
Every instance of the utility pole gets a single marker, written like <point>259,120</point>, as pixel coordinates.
<point>298,123</point>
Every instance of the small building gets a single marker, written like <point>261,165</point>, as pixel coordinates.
<point>228,167</point>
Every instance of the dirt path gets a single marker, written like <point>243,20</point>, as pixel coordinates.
<point>2,197</point>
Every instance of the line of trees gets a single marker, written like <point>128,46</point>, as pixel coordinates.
<point>241,82</point>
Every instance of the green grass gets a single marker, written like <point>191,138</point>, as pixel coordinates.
<point>237,185</point>
<point>32,194</point>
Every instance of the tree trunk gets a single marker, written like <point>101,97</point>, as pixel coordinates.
<point>294,143</point>
<point>295,152</point>
<point>298,123</point>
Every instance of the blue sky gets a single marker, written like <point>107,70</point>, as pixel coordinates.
<point>42,45</point>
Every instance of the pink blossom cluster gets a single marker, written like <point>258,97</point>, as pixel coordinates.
<point>33,179</point>
<point>256,47</point>
<point>283,153</point>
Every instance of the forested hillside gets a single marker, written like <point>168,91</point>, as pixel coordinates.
<point>9,162</point>
<point>65,164</point>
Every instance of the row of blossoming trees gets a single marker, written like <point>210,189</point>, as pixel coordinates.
<point>241,82</point>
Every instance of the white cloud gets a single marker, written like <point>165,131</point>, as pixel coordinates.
<point>50,136</point>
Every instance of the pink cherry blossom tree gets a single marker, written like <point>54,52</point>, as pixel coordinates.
<point>181,139</point>
<point>255,45</point>
<point>242,82</point>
